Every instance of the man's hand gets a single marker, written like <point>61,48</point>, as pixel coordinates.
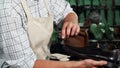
<point>88,63</point>
<point>70,26</point>
<point>70,29</point>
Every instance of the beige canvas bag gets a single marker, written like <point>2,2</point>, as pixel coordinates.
<point>39,31</point>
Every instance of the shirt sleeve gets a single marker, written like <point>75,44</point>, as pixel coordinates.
<point>3,64</point>
<point>25,62</point>
<point>60,8</point>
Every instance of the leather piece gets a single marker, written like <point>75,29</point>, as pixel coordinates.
<point>80,40</point>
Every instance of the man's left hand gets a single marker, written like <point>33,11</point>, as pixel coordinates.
<point>70,26</point>
<point>70,29</point>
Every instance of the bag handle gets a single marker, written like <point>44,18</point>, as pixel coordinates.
<point>27,10</point>
<point>46,4</point>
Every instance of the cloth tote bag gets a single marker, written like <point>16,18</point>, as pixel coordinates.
<point>39,31</point>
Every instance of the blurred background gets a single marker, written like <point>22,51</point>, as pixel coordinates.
<point>108,9</point>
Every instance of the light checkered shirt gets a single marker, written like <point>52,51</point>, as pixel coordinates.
<point>15,50</point>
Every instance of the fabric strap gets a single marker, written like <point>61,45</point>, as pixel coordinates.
<point>27,10</point>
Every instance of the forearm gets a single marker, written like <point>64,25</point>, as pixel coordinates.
<point>53,64</point>
<point>71,17</point>
<point>69,64</point>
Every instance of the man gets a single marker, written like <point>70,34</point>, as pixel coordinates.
<point>15,50</point>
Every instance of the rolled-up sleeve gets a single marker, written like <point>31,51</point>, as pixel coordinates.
<point>60,8</point>
<point>25,62</point>
<point>2,62</point>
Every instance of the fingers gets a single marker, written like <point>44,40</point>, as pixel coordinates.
<point>94,63</point>
<point>64,30</point>
<point>77,30</point>
<point>99,63</point>
<point>73,31</point>
<point>70,28</point>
